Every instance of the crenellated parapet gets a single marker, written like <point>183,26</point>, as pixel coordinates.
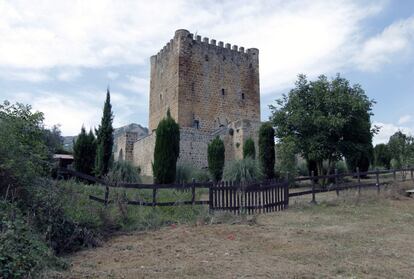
<point>183,35</point>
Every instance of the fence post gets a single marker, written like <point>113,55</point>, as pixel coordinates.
<point>193,192</point>
<point>336,182</point>
<point>313,188</point>
<point>287,191</point>
<point>378,181</point>
<point>210,197</point>
<point>154,196</point>
<point>359,181</point>
<point>106,194</point>
<point>395,175</point>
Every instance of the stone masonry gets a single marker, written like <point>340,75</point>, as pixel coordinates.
<point>211,89</point>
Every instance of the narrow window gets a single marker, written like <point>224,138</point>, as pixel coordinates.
<point>196,124</point>
<point>206,57</point>
<point>160,96</point>
<point>192,87</point>
<point>242,95</point>
<point>223,92</point>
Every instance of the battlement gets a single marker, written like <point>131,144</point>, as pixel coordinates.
<point>185,35</point>
<point>206,84</point>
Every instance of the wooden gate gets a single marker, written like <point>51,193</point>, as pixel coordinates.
<point>249,199</point>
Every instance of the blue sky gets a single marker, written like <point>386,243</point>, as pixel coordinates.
<point>59,56</point>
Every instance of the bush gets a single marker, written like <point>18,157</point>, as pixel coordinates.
<point>167,149</point>
<point>249,151</point>
<point>186,173</point>
<point>216,158</point>
<point>49,218</point>
<point>22,252</point>
<point>246,170</point>
<point>267,150</point>
<point>124,171</point>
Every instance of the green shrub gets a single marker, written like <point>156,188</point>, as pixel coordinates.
<point>48,216</point>
<point>267,150</point>
<point>166,151</point>
<point>124,171</point>
<point>215,154</point>
<point>84,152</point>
<point>186,173</point>
<point>246,170</point>
<point>22,252</point>
<point>249,151</point>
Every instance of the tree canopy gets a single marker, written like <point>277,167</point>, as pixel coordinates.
<point>215,157</point>
<point>401,148</point>
<point>327,120</point>
<point>84,152</point>
<point>105,139</point>
<point>167,150</point>
<point>267,150</point>
<point>249,150</point>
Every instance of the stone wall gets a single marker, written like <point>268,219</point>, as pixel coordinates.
<point>143,154</point>
<point>124,146</point>
<point>217,85</point>
<point>205,85</point>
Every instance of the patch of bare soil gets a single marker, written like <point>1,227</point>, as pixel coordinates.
<point>346,237</point>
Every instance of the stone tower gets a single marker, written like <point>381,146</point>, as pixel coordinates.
<point>204,84</point>
<point>211,89</point>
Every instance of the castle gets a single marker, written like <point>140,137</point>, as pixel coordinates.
<point>211,89</point>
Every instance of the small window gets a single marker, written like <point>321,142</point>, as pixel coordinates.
<point>206,57</point>
<point>224,58</point>
<point>196,124</point>
<point>250,65</point>
<point>160,96</point>
<point>223,92</point>
<point>242,96</point>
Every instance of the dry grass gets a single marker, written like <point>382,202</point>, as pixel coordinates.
<point>371,236</point>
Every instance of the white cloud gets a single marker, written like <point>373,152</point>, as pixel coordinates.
<point>293,37</point>
<point>404,119</point>
<point>387,130</point>
<point>69,74</point>
<point>395,43</point>
<point>137,85</point>
<point>112,75</point>
<point>24,75</point>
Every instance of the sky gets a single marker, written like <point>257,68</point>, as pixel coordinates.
<point>60,56</point>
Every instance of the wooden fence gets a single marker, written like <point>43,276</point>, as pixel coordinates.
<point>250,198</point>
<point>358,180</point>
<point>261,197</point>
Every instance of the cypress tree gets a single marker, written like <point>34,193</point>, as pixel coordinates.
<point>167,150</point>
<point>215,158</point>
<point>267,149</point>
<point>249,150</point>
<point>84,151</point>
<point>105,139</point>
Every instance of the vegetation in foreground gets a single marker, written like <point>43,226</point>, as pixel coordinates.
<point>347,237</point>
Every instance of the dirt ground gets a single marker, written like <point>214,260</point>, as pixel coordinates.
<point>343,237</point>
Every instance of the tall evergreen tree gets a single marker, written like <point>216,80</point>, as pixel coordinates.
<point>215,156</point>
<point>267,150</point>
<point>166,151</point>
<point>84,152</point>
<point>105,139</point>
<point>249,150</point>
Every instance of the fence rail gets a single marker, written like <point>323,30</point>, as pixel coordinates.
<point>252,198</point>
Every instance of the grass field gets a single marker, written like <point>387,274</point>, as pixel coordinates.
<point>371,236</point>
